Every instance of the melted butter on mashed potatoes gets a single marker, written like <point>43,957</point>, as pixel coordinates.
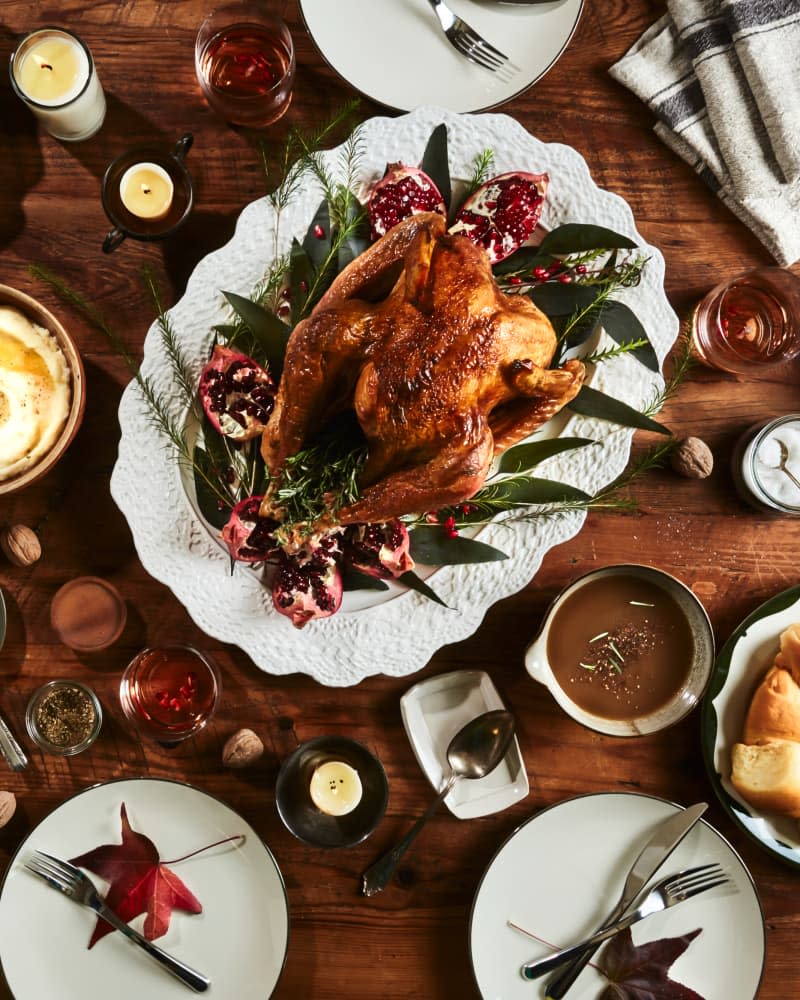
<point>35,392</point>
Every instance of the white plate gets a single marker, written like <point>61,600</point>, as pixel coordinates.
<point>239,940</point>
<point>740,666</point>
<point>560,874</point>
<point>393,632</point>
<point>397,54</point>
<point>433,711</point>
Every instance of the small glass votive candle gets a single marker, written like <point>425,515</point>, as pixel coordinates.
<point>170,693</point>
<point>53,72</point>
<point>147,193</point>
<point>749,322</point>
<point>245,64</point>
<point>766,465</point>
<point>64,717</point>
<point>88,614</point>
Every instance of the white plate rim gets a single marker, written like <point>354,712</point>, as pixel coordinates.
<point>176,549</point>
<point>473,107</point>
<point>414,718</point>
<point>270,857</point>
<point>629,795</point>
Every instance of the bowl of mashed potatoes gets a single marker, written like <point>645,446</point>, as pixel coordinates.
<point>41,390</point>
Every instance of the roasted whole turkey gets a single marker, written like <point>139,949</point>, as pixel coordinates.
<point>443,369</point>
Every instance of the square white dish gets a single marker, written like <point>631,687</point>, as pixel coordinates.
<point>433,711</point>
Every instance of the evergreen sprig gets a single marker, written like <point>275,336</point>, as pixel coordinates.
<point>683,362</point>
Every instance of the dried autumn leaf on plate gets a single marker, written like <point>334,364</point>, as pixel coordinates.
<point>140,883</point>
<point>642,973</point>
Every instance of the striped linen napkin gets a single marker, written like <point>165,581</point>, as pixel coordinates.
<point>723,79</point>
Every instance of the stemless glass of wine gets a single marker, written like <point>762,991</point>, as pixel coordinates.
<point>750,321</point>
<point>170,693</point>
<point>245,63</point>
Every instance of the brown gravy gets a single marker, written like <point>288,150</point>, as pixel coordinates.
<point>620,647</point>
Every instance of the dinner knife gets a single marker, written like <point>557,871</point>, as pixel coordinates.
<point>655,852</point>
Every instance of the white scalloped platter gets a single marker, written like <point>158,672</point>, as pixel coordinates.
<point>395,633</point>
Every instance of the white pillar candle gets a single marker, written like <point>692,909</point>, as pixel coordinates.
<point>53,72</point>
<point>335,788</point>
<point>146,191</point>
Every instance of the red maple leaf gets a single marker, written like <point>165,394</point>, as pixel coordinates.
<point>642,973</point>
<point>140,883</point>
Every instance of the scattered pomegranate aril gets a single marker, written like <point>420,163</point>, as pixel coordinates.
<point>237,394</point>
<point>502,213</point>
<point>319,232</point>
<point>401,192</point>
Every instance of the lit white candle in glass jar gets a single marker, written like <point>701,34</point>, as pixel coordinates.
<point>52,71</point>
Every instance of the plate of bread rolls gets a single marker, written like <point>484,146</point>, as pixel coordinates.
<point>751,726</point>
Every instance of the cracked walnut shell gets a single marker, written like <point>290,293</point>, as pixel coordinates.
<point>242,749</point>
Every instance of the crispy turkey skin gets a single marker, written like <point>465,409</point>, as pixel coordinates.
<point>444,372</point>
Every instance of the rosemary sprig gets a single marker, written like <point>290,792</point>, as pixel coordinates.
<point>180,366</point>
<point>317,480</point>
<point>682,364</point>
<point>621,276</point>
<point>598,357</point>
<point>482,166</point>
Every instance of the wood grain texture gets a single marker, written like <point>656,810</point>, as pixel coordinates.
<point>411,941</point>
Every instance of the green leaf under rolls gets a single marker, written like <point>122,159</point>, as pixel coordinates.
<point>576,237</point>
<point>593,403</point>
<point>522,457</point>
<point>431,546</point>
<point>270,333</point>
<point>435,162</point>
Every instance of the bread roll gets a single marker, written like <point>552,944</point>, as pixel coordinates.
<point>768,776</point>
<point>789,656</point>
<point>774,712</point>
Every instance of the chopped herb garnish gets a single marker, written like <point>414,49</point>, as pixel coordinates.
<point>642,604</point>
<point>600,635</point>
<point>588,666</point>
<point>615,651</point>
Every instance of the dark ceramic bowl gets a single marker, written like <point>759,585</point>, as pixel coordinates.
<point>299,814</point>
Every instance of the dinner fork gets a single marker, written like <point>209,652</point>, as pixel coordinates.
<point>79,887</point>
<point>668,892</point>
<point>470,44</point>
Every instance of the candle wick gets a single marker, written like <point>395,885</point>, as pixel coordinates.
<point>146,189</point>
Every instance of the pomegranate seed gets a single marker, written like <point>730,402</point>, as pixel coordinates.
<point>186,693</point>
<point>539,272</point>
<point>565,279</point>
<point>452,533</point>
<point>175,705</point>
<point>580,269</point>
<point>515,280</point>
<point>319,232</point>
<point>191,679</point>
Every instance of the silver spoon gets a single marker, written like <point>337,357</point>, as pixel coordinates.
<point>474,751</point>
<point>782,466</point>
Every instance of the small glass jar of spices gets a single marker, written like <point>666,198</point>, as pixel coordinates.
<point>64,717</point>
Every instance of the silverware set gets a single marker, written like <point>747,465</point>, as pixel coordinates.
<point>79,887</point>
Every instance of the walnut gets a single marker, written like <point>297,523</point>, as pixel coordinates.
<point>21,545</point>
<point>242,749</point>
<point>692,458</point>
<point>8,805</point>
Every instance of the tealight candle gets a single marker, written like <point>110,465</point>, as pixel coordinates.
<point>52,71</point>
<point>335,788</point>
<point>146,191</point>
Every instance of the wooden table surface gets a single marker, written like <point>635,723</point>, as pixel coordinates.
<point>411,941</point>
